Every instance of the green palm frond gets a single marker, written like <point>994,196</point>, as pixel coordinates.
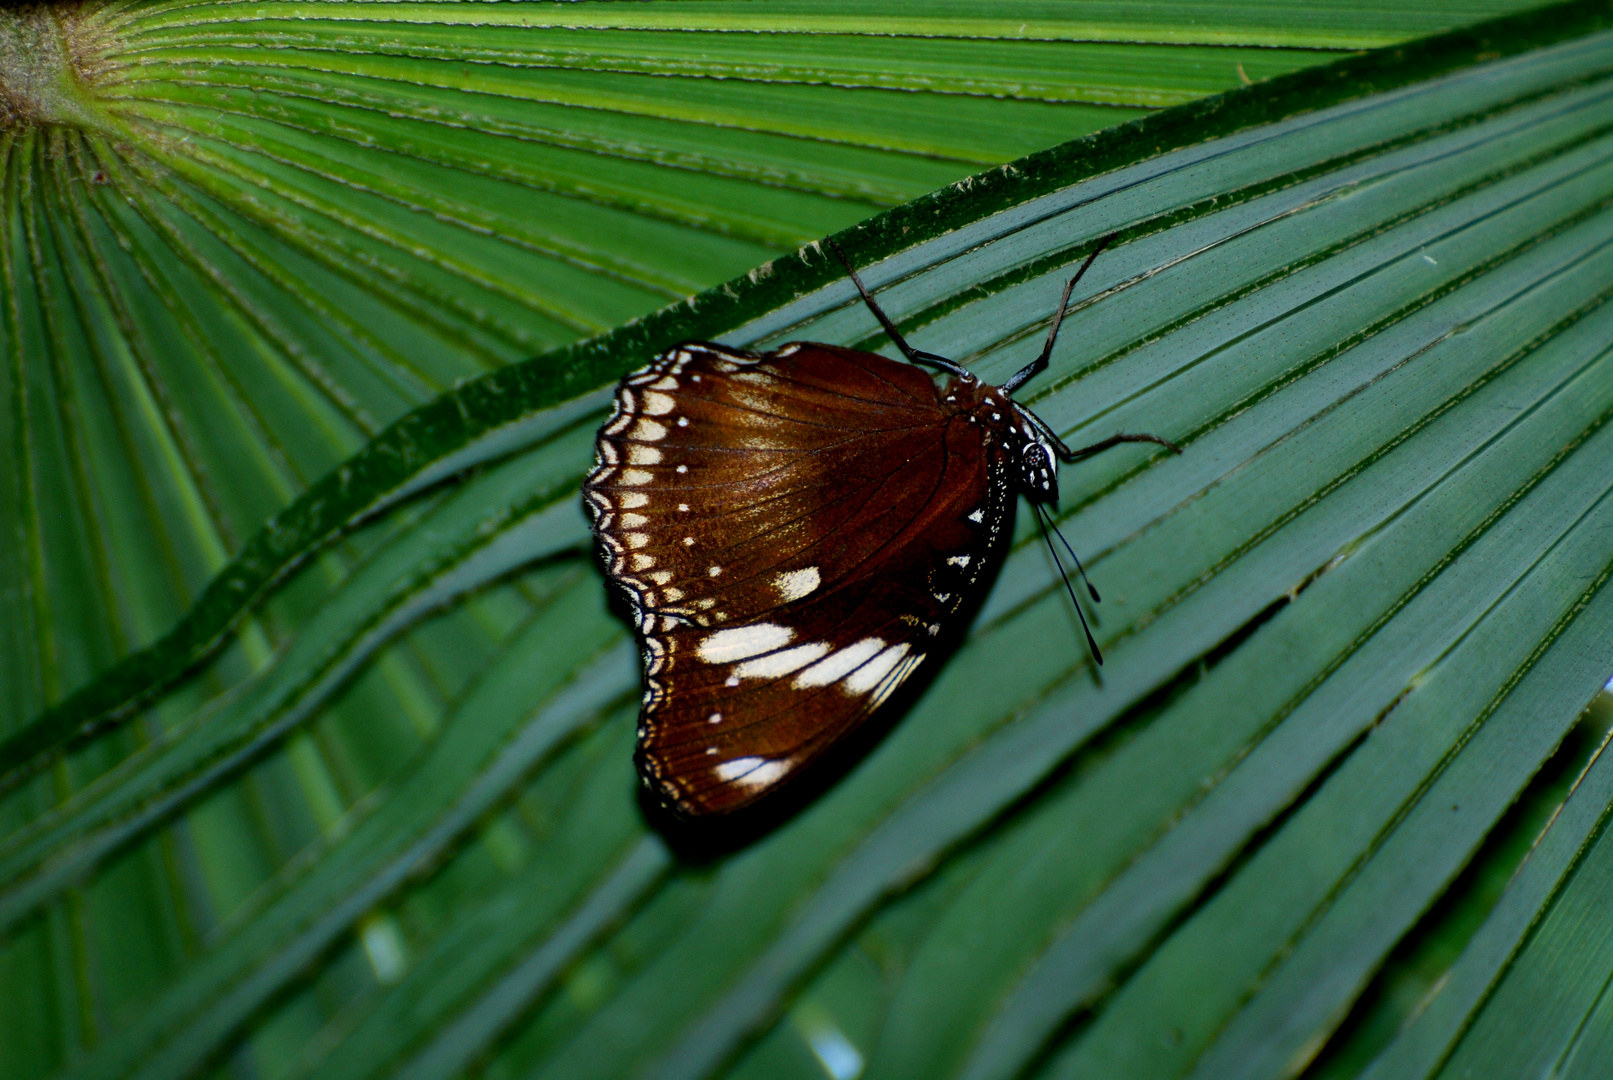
<point>390,827</point>
<point>241,239</point>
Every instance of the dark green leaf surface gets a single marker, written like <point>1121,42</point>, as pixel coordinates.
<point>1345,629</point>
<point>1571,839</point>
<point>240,240</point>
<point>237,241</point>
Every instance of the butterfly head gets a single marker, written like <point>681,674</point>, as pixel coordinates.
<point>1037,467</point>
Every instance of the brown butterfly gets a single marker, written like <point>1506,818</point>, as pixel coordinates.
<point>796,532</point>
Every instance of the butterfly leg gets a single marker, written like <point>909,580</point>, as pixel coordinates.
<point>1115,440</point>
<point>914,356</point>
<point>1037,366</point>
<point>921,357</point>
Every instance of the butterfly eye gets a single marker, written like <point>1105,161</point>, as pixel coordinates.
<point>1038,476</point>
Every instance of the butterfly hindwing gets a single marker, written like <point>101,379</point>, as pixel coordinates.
<point>795,532</point>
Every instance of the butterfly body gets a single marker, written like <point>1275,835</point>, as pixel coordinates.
<point>795,532</point>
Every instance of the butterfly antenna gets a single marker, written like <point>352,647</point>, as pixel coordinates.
<point>1091,588</point>
<point>1097,654</point>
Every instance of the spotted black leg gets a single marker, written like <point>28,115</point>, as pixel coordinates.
<point>913,355</point>
<point>1037,366</point>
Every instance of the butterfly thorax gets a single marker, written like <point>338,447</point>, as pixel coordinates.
<point>1014,437</point>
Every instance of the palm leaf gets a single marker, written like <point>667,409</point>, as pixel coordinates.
<point>1347,629</point>
<point>241,240</point>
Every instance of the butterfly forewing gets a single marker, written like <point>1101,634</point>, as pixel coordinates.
<point>795,531</point>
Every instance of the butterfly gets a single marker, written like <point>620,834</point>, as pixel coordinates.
<point>796,533</point>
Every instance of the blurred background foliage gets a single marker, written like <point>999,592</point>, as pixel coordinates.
<point>389,826</point>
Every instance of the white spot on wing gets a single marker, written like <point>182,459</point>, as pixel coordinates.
<point>632,500</point>
<point>635,477</point>
<point>959,560</point>
<point>794,584</point>
<point>633,521</point>
<point>648,430</point>
<point>776,664</point>
<point>765,774</point>
<point>751,771</point>
<point>838,665</point>
<point>742,642</point>
<point>977,516</point>
<point>896,678</point>
<point>658,404</point>
<point>643,455</point>
<point>728,770</point>
<point>873,673</point>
